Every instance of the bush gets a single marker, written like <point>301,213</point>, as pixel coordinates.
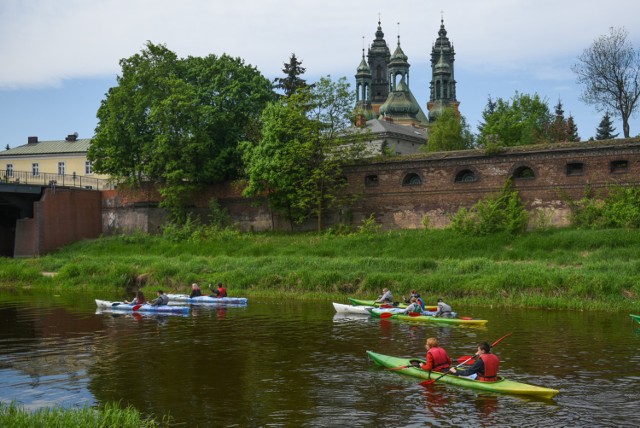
<point>501,213</point>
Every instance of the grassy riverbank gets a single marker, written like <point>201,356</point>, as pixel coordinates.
<point>567,268</point>
<point>12,415</point>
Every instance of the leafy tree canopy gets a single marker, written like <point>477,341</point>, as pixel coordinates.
<point>177,121</point>
<point>449,132</point>
<point>521,121</point>
<point>298,162</point>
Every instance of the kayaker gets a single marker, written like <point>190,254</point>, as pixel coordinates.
<point>437,358</point>
<point>444,310</point>
<point>161,300</point>
<point>485,369</point>
<point>138,299</point>
<point>195,291</point>
<point>385,297</point>
<point>414,307</point>
<point>415,294</point>
<point>221,291</point>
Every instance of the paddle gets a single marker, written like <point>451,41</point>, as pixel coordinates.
<point>430,381</point>
<point>386,315</point>
<point>136,307</point>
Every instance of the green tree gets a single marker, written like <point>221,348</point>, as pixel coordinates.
<point>605,130</point>
<point>449,132</point>
<point>177,122</point>
<point>292,81</point>
<point>523,120</point>
<point>610,72</point>
<point>558,129</point>
<point>572,130</point>
<point>298,163</point>
<point>489,109</point>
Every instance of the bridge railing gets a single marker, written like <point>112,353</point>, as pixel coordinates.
<point>48,179</point>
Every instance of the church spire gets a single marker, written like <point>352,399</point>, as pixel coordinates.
<point>378,59</point>
<point>443,83</point>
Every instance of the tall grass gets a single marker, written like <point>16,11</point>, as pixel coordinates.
<point>12,415</point>
<point>566,268</point>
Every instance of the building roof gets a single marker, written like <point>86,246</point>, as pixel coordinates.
<point>378,127</point>
<point>56,147</point>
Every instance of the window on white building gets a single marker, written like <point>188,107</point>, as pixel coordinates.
<point>9,170</point>
<point>60,168</point>
<point>35,169</point>
<point>88,167</point>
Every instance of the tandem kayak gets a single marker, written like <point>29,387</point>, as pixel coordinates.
<point>360,302</point>
<point>635,317</point>
<point>125,307</point>
<point>207,300</point>
<point>425,317</point>
<point>502,385</point>
<point>360,310</point>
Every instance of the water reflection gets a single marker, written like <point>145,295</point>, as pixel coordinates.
<point>300,364</point>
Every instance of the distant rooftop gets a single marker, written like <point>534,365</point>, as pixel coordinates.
<point>34,147</point>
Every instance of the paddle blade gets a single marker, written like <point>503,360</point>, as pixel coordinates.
<point>136,307</point>
<point>428,382</point>
<point>466,359</point>
<point>465,318</point>
<point>414,314</point>
<point>385,306</point>
<point>386,315</point>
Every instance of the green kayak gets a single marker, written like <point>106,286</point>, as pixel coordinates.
<point>502,385</point>
<point>360,302</point>
<point>635,317</point>
<point>427,318</point>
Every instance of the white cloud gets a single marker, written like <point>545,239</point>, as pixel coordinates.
<point>43,42</point>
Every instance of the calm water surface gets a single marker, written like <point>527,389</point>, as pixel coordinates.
<point>276,363</point>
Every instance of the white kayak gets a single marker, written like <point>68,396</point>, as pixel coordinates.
<point>207,300</point>
<point>126,307</point>
<point>362,310</point>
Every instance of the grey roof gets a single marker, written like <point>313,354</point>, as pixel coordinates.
<point>377,126</point>
<point>49,148</point>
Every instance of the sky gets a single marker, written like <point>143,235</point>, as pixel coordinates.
<point>58,58</point>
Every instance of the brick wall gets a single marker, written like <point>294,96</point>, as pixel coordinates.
<point>400,191</point>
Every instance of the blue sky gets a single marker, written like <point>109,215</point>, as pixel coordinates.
<point>59,57</point>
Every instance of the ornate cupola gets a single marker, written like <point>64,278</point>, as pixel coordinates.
<point>378,58</point>
<point>398,66</point>
<point>443,83</point>
<point>401,106</point>
<point>363,89</point>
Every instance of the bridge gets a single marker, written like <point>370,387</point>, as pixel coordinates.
<point>40,213</point>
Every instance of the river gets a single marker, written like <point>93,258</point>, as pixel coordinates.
<point>290,363</point>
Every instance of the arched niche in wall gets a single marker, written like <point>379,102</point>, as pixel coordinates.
<point>412,179</point>
<point>465,176</point>
<point>523,172</point>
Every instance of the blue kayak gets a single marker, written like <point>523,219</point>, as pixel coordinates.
<point>125,307</point>
<point>206,300</point>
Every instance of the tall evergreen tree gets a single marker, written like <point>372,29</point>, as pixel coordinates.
<point>559,127</point>
<point>489,109</point>
<point>292,82</point>
<point>606,130</point>
<point>572,130</point>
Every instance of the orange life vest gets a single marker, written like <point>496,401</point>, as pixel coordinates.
<point>491,364</point>
<point>440,358</point>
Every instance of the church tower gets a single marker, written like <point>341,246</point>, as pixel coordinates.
<point>443,82</point>
<point>378,58</point>
<point>401,106</point>
<point>363,90</point>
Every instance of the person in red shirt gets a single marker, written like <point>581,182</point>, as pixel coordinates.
<point>437,358</point>
<point>221,291</point>
<point>485,368</point>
